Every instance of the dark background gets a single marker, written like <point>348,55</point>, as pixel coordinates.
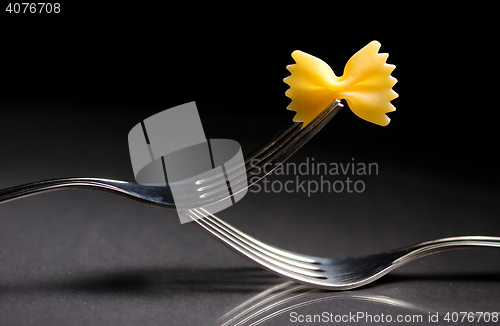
<point>74,84</point>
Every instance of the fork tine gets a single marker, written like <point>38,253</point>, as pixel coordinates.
<point>260,154</point>
<point>284,253</point>
<point>294,132</point>
<point>288,133</point>
<point>279,138</point>
<point>294,129</point>
<point>282,151</point>
<point>266,261</point>
<point>276,151</point>
<point>288,257</point>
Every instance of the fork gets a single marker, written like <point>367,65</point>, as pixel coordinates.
<point>324,273</point>
<point>270,156</point>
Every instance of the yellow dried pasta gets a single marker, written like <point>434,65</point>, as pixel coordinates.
<point>366,85</point>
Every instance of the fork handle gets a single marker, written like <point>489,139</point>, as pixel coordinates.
<point>461,242</point>
<point>128,189</point>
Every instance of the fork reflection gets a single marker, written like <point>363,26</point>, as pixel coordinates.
<point>288,296</point>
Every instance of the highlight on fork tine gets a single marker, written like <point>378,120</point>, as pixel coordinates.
<point>366,85</point>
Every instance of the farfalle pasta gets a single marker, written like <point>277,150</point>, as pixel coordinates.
<point>366,85</point>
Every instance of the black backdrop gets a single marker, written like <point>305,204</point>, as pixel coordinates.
<point>141,58</point>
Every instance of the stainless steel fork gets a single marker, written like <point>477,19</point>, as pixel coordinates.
<point>326,273</point>
<point>271,155</point>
